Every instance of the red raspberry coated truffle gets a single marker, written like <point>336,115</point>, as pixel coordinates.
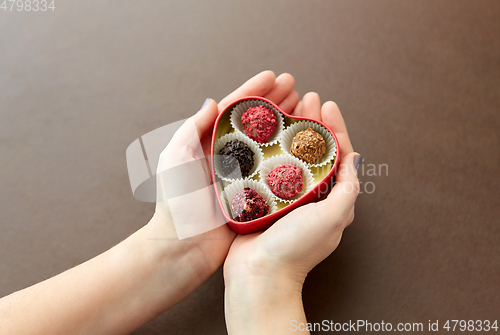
<point>248,205</point>
<point>259,123</point>
<point>285,181</point>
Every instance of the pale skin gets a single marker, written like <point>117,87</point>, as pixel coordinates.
<point>140,278</point>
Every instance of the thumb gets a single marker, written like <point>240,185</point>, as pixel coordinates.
<point>346,189</point>
<point>194,128</point>
<point>205,118</point>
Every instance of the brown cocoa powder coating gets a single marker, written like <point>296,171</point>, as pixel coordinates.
<point>308,145</point>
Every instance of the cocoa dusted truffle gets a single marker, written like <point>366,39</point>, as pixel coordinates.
<point>236,154</point>
<point>259,123</point>
<point>308,145</point>
<point>285,181</point>
<point>248,205</point>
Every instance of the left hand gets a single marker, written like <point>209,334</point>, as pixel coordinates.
<point>212,246</point>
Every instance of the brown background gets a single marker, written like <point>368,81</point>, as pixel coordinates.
<point>417,81</point>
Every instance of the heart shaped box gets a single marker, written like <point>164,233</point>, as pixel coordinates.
<point>323,176</point>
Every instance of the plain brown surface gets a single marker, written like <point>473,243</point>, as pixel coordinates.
<point>417,81</point>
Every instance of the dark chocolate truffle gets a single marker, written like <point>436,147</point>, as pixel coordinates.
<point>259,123</point>
<point>308,145</point>
<point>285,181</point>
<point>248,205</point>
<point>236,154</point>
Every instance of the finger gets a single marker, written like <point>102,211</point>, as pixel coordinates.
<point>311,106</point>
<point>298,109</point>
<point>205,118</point>
<point>194,128</point>
<point>289,103</point>
<point>331,116</point>
<point>258,85</point>
<point>282,88</point>
<point>346,189</point>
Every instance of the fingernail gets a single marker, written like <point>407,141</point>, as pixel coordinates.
<point>357,161</point>
<point>205,103</point>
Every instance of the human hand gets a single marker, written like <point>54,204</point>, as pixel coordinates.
<point>189,148</point>
<point>268,268</point>
<point>151,270</point>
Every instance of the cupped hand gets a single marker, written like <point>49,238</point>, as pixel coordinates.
<point>191,145</point>
<point>296,243</point>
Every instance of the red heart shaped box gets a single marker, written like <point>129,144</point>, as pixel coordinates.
<point>319,191</point>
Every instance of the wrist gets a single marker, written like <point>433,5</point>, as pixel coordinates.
<point>257,288</point>
<point>156,269</point>
<point>260,265</point>
<point>262,304</point>
<point>168,250</point>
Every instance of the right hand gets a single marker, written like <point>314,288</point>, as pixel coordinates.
<point>307,235</point>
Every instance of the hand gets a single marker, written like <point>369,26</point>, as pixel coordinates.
<point>268,268</point>
<point>151,270</point>
<point>212,246</point>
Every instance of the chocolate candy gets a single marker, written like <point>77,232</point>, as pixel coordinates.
<point>308,145</point>
<point>236,154</point>
<point>259,123</point>
<point>285,181</point>
<point>248,205</point>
